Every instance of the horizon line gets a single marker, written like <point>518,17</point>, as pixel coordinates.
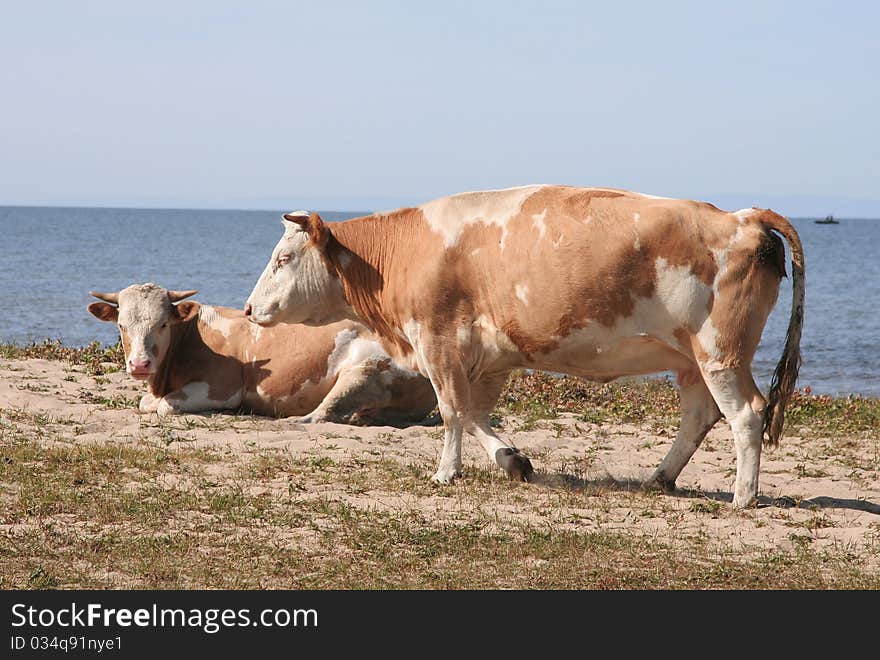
<point>355,213</point>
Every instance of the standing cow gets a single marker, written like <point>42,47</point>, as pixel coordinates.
<point>594,282</point>
<point>198,357</point>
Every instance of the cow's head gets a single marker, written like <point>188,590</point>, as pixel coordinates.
<point>298,284</point>
<point>144,314</point>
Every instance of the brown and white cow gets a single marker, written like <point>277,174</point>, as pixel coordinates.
<point>198,357</point>
<point>594,282</point>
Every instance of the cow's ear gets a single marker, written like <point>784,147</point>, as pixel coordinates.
<point>310,223</point>
<point>318,232</point>
<point>187,310</point>
<point>104,311</point>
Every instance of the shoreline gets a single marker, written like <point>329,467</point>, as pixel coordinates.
<point>95,353</point>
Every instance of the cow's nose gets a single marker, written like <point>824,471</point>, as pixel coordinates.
<point>139,365</point>
<point>248,309</point>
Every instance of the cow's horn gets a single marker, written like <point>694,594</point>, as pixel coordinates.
<point>175,296</point>
<point>106,297</point>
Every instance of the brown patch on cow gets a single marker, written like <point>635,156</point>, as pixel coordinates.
<point>685,338</point>
<point>126,342</point>
<point>747,292</point>
<point>154,350</point>
<point>384,365</point>
<point>370,243</point>
<point>525,343</point>
<point>186,311</point>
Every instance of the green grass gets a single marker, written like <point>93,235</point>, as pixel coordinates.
<point>95,357</point>
<point>655,402</point>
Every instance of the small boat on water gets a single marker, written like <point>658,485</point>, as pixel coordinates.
<point>829,220</point>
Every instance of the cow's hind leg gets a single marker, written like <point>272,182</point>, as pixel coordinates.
<point>741,402</point>
<point>699,412</point>
<point>356,389</point>
<point>484,396</point>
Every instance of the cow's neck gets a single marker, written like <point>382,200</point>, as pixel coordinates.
<point>363,257</point>
<point>160,382</point>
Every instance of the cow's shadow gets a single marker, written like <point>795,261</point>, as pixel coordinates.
<point>594,486</point>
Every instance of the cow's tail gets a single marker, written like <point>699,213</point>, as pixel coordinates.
<point>785,376</point>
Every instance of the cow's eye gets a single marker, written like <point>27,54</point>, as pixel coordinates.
<point>282,259</point>
<point>165,325</point>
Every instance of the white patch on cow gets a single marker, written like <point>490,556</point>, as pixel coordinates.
<point>210,317</point>
<point>558,241</point>
<point>721,255</point>
<point>647,196</point>
<point>708,333</point>
<point>491,337</point>
<point>637,244</point>
<point>349,349</point>
<point>636,217</point>
<point>742,214</point>
<point>463,335</point>
<point>412,330</point>
<point>197,399</point>
<point>708,338</point>
<point>588,219</point>
<point>522,292</point>
<point>538,222</point>
<point>475,252</point>
<point>682,293</point>
<point>448,216</point>
<point>679,299</point>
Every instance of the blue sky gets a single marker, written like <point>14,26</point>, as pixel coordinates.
<point>363,105</point>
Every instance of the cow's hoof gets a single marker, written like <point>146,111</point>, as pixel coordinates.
<point>516,464</point>
<point>305,419</point>
<point>164,409</point>
<point>745,502</point>
<point>661,483</point>
<point>446,475</point>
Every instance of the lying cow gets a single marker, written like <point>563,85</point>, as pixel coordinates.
<point>594,282</point>
<point>196,357</point>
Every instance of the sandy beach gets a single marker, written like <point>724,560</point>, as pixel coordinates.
<point>820,495</point>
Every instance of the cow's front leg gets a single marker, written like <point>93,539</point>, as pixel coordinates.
<point>450,459</point>
<point>196,397</point>
<point>441,363</point>
<point>148,403</point>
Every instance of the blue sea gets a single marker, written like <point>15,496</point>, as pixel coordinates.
<point>50,258</point>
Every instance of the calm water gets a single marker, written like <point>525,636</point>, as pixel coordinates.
<point>51,257</point>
